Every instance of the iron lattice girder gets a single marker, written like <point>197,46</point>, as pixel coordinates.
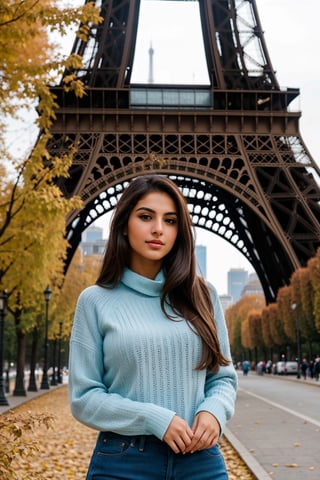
<point>108,55</point>
<point>235,50</point>
<point>267,174</point>
<point>236,53</point>
<point>211,208</point>
<point>236,151</point>
<point>224,159</point>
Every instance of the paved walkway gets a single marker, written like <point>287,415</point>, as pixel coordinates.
<point>17,401</point>
<point>274,443</point>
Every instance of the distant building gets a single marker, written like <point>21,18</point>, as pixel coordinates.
<point>92,242</point>
<point>201,257</point>
<point>253,286</point>
<point>92,234</point>
<point>151,52</point>
<point>226,301</point>
<point>237,279</point>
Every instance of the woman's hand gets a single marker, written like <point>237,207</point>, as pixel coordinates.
<point>206,431</point>
<point>178,435</point>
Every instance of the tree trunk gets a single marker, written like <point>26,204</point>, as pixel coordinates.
<point>19,390</point>
<point>33,361</point>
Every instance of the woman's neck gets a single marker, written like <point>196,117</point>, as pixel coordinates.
<point>147,269</point>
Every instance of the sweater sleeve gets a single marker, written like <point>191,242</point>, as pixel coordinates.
<point>90,401</point>
<point>220,387</point>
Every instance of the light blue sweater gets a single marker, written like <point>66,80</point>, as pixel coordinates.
<point>132,369</point>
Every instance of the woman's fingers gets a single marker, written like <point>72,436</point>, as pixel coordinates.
<point>206,430</point>
<point>178,435</point>
<point>204,433</point>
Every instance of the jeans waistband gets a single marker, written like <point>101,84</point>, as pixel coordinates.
<point>134,440</point>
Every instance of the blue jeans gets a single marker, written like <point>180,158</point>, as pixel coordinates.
<point>118,457</point>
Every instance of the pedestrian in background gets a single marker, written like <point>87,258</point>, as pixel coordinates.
<point>304,368</point>
<point>150,364</point>
<point>317,367</point>
<point>245,367</point>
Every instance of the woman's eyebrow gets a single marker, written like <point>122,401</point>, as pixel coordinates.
<point>145,208</point>
<point>153,211</point>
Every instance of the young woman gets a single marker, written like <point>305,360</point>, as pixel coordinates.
<point>150,364</point>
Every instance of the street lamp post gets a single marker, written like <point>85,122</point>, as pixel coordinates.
<point>294,306</point>
<point>53,376</point>
<point>44,382</point>
<point>59,353</point>
<point>3,306</point>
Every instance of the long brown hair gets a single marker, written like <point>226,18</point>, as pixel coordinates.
<point>187,294</point>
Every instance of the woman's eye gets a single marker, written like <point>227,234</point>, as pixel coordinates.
<point>145,216</point>
<point>171,221</point>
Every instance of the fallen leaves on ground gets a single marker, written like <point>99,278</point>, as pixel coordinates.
<point>64,450</point>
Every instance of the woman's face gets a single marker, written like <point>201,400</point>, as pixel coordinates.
<point>152,231</point>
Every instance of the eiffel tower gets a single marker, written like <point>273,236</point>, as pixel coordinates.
<point>233,147</point>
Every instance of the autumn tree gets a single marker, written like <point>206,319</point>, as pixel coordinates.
<point>314,269</point>
<point>256,339</point>
<point>29,198</point>
<point>30,59</point>
<point>236,315</point>
<point>233,321</point>
<point>303,293</point>
<point>82,273</point>
<point>245,334</point>
<point>32,208</point>
<point>273,328</point>
<point>286,311</point>
<point>251,333</point>
<point>266,320</point>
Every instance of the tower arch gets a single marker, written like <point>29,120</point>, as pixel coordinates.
<point>233,147</point>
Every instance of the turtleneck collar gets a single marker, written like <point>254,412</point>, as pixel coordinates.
<point>143,285</point>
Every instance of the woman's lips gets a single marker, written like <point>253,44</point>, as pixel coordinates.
<point>155,244</point>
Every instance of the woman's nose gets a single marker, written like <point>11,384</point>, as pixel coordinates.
<point>157,227</point>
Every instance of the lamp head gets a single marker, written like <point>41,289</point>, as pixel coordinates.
<point>47,293</point>
<point>3,301</point>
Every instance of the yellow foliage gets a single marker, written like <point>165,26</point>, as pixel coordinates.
<point>272,326</point>
<point>287,313</point>
<point>32,207</point>
<point>13,445</point>
<point>314,268</point>
<point>28,54</point>
<point>239,313</point>
<point>82,273</point>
